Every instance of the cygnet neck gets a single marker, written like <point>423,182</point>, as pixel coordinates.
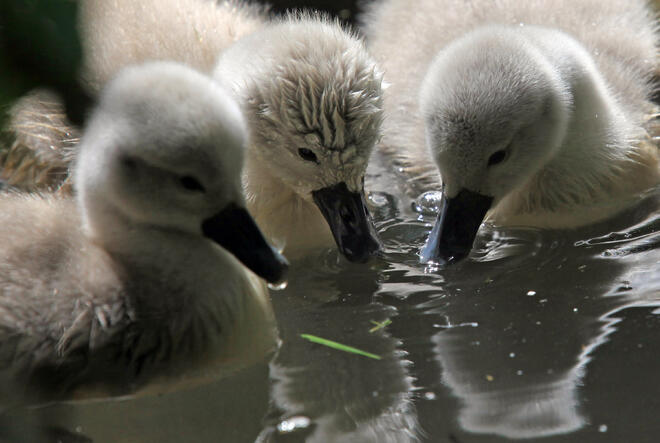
<point>285,217</point>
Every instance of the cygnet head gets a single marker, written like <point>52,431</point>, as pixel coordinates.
<point>495,112</point>
<point>314,106</point>
<point>163,151</point>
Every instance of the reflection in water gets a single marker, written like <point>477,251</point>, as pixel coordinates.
<point>346,397</point>
<point>525,339</point>
<point>225,396</point>
<point>521,320</point>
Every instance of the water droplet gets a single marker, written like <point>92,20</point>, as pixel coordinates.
<point>431,267</point>
<point>602,428</point>
<point>79,429</point>
<point>519,372</point>
<point>293,423</point>
<point>378,199</point>
<point>531,293</point>
<point>429,395</point>
<point>512,354</point>
<point>428,203</point>
<point>575,309</point>
<point>278,286</point>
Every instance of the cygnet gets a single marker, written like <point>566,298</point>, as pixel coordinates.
<point>535,113</point>
<point>313,100</point>
<point>146,271</point>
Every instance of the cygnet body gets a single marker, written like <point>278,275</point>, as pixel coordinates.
<point>533,112</point>
<point>140,275</point>
<point>193,32</point>
<point>312,97</point>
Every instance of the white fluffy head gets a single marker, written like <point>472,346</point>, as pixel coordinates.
<point>495,112</point>
<point>313,98</point>
<point>164,148</point>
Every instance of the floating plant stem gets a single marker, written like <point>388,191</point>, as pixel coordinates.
<point>379,325</point>
<point>339,346</point>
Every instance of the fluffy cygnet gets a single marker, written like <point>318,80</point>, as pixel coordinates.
<point>116,34</point>
<point>313,101</point>
<point>533,111</point>
<point>140,275</point>
<point>119,33</point>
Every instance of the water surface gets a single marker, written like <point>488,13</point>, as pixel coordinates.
<point>539,334</point>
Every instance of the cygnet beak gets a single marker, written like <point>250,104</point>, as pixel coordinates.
<point>456,227</point>
<point>349,221</point>
<point>235,230</point>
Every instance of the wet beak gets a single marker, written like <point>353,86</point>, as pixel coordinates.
<point>234,229</point>
<point>456,227</point>
<point>349,221</point>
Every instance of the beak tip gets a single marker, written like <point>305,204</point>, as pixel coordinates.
<point>453,234</point>
<point>278,273</point>
<point>428,258</point>
<point>273,267</point>
<point>349,221</point>
<point>234,229</point>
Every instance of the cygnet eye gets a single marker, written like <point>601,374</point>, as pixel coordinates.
<point>191,184</point>
<point>497,157</point>
<point>307,154</point>
<point>129,163</point>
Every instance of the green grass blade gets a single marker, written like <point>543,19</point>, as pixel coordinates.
<point>379,325</point>
<point>339,346</point>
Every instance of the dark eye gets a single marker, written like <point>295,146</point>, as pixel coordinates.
<point>307,154</point>
<point>129,163</point>
<point>497,157</point>
<point>191,184</point>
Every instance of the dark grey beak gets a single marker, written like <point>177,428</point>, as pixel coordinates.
<point>234,229</point>
<point>458,222</point>
<point>349,221</point>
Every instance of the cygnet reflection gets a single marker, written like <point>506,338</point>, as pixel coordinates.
<point>324,395</point>
<point>514,346</point>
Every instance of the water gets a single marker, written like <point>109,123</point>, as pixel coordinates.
<point>538,334</point>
